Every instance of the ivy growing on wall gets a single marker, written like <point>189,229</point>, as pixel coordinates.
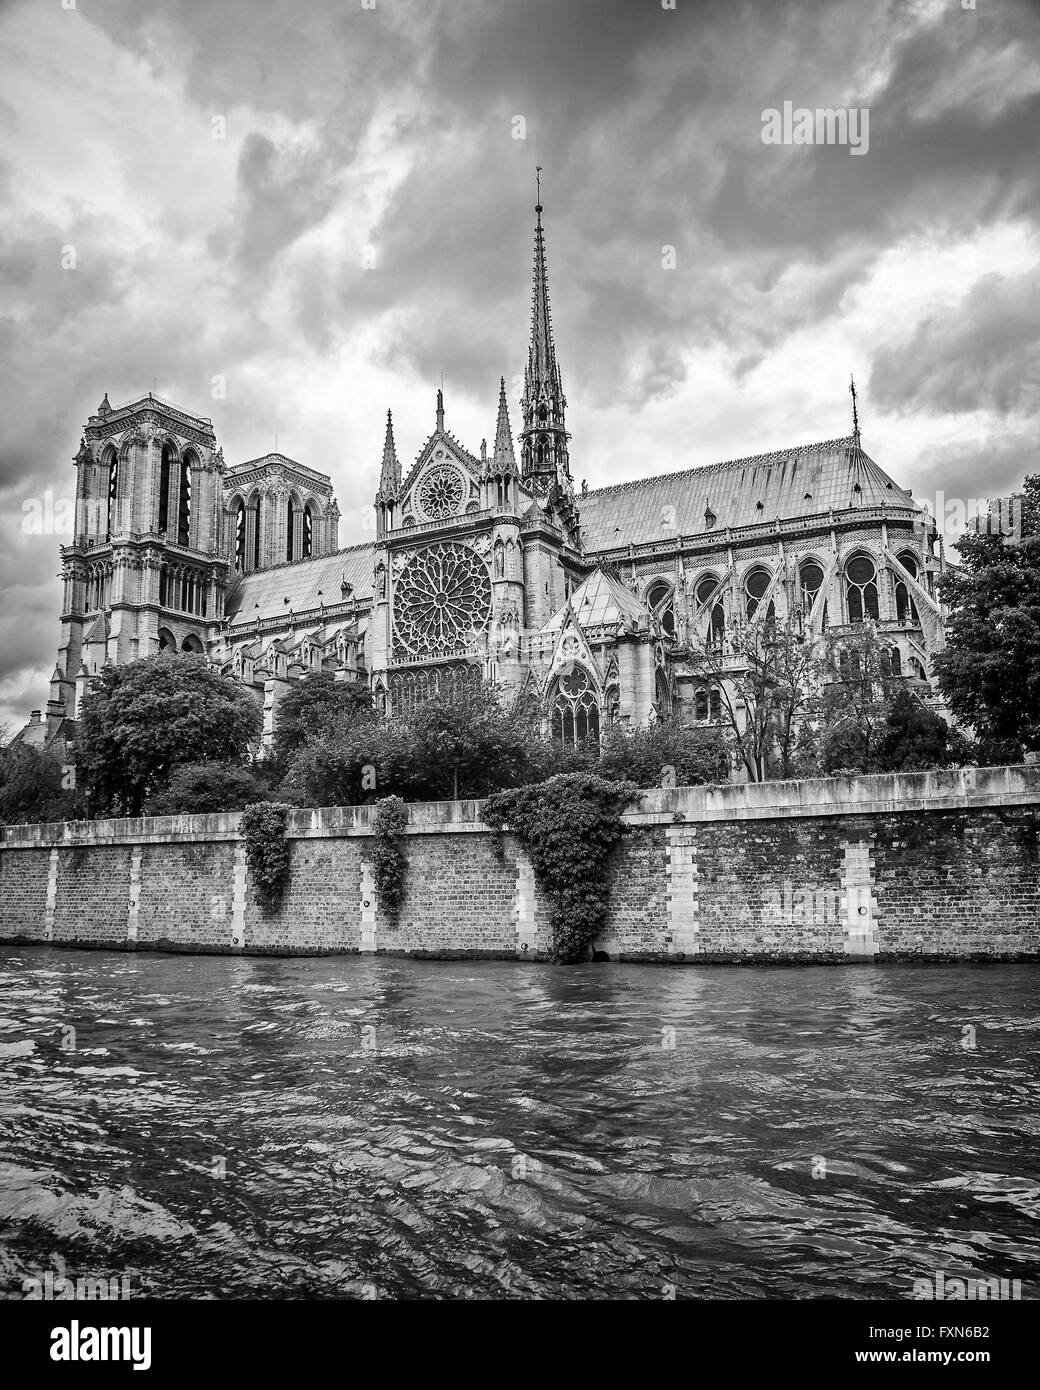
<point>568,825</point>
<point>267,850</point>
<point>388,825</point>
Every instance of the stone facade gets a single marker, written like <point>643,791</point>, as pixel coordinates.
<point>620,604</point>
<point>923,866</point>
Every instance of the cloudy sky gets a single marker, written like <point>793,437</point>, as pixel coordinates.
<point>327,205</point>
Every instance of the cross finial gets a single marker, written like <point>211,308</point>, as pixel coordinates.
<point>538,184</point>
<point>855,412</point>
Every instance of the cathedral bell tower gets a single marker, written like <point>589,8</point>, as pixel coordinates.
<point>543,439</point>
<point>146,568</point>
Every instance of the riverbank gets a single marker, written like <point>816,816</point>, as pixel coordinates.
<point>923,866</point>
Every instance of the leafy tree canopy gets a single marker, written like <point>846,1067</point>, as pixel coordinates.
<point>34,787</point>
<point>463,744</point>
<point>316,706</point>
<point>140,721</point>
<point>990,668</point>
<point>204,788</point>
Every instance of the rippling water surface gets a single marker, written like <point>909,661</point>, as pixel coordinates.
<point>352,1127</point>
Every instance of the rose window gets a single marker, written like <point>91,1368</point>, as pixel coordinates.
<point>574,683</point>
<point>441,492</point>
<point>442,599</point>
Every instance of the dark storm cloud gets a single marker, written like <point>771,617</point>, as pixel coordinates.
<point>988,466</point>
<point>305,61</point>
<point>983,353</point>
<point>282,193</point>
<point>392,129</point>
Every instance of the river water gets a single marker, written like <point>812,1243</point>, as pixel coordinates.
<point>365,1127</point>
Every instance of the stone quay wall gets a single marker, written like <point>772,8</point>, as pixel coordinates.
<point>921,866</point>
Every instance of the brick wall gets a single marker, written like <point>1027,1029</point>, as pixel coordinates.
<point>936,866</point>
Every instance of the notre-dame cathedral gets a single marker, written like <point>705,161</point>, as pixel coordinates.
<point>594,605</point>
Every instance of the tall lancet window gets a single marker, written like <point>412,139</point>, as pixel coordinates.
<point>289,529</point>
<point>308,531</point>
<point>167,477</point>
<point>113,488</point>
<point>184,509</point>
<point>708,589</point>
<point>240,536</point>
<point>861,590</point>
<point>254,513</point>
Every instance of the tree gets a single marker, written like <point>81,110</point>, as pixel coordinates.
<point>989,670</point>
<point>35,785</point>
<point>915,737</point>
<point>141,721</point>
<point>205,788</point>
<point>338,768</point>
<point>462,744</point>
<point>767,699</point>
<point>858,688</point>
<point>317,705</point>
<point>872,720</point>
<point>641,756</point>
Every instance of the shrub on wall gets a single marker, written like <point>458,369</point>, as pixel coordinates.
<point>390,862</point>
<point>267,850</point>
<point>568,825</point>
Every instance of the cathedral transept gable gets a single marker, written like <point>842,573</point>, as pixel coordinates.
<point>442,484</point>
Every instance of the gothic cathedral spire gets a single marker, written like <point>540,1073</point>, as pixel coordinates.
<point>389,482</point>
<point>543,439</point>
<point>505,463</point>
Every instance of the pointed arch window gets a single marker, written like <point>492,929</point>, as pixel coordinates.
<point>290,523</point>
<point>254,519</point>
<point>575,709</point>
<point>891,663</point>
<point>113,489</point>
<point>906,609</point>
<point>706,587</point>
<point>184,508</point>
<point>240,536</point>
<point>810,581</point>
<point>861,590</point>
<point>756,582</point>
<point>167,480</point>
<point>659,601</point>
<point>308,531</point>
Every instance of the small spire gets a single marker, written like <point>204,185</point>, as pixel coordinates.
<point>855,412</point>
<point>390,473</point>
<point>440,409</point>
<point>505,461</point>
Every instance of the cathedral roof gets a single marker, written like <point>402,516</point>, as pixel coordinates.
<point>299,582</point>
<point>787,484</point>
<point>601,601</point>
